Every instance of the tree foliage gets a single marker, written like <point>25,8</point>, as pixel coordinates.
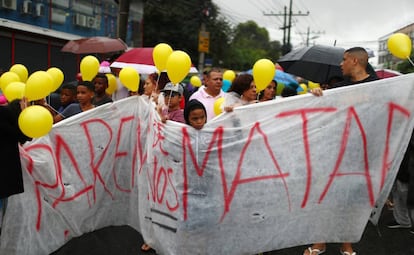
<point>178,22</point>
<point>175,22</point>
<point>405,66</point>
<point>251,43</point>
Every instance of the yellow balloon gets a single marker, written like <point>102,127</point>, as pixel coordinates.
<point>263,73</point>
<point>57,77</point>
<point>229,75</point>
<point>160,55</point>
<point>129,78</point>
<point>218,105</point>
<point>35,121</point>
<point>89,67</point>
<point>313,85</point>
<point>195,81</point>
<point>178,66</point>
<point>38,85</point>
<point>304,89</point>
<point>7,78</point>
<point>15,90</point>
<point>400,45</point>
<point>111,84</point>
<point>20,70</point>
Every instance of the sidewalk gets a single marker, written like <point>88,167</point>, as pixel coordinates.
<point>125,240</point>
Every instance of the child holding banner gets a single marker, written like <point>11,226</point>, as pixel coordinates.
<point>195,114</point>
<point>172,94</point>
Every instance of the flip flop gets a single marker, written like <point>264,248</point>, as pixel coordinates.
<point>314,251</point>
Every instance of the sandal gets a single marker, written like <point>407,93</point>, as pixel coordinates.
<point>314,251</point>
<point>347,252</point>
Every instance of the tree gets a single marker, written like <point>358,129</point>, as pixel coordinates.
<point>220,49</point>
<point>251,43</point>
<point>406,67</point>
<point>178,22</point>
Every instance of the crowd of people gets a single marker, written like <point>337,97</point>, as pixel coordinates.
<point>175,103</point>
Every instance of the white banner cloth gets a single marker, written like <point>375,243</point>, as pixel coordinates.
<point>267,176</point>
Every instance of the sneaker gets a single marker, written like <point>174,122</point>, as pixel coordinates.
<point>395,224</point>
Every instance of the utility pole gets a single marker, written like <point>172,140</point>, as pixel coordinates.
<point>287,47</point>
<point>203,39</point>
<point>123,18</point>
<point>202,46</point>
<point>315,35</point>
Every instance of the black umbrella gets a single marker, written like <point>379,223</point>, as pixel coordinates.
<point>318,63</point>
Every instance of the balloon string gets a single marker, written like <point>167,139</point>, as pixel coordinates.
<point>52,108</point>
<point>169,100</point>
<point>156,85</point>
<point>155,90</point>
<point>410,61</point>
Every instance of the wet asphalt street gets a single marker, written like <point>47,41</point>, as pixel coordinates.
<point>125,240</point>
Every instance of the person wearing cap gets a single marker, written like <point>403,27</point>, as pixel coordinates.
<point>172,111</point>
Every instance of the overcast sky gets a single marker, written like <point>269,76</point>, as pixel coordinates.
<point>349,22</point>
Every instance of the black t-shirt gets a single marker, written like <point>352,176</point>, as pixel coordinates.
<point>348,82</point>
<point>104,100</point>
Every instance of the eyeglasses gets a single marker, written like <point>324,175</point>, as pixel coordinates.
<point>170,94</point>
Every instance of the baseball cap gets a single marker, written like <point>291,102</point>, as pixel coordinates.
<point>175,88</point>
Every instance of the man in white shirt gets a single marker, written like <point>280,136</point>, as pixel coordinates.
<point>210,92</point>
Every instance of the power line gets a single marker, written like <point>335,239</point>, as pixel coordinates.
<point>287,24</point>
<point>230,12</point>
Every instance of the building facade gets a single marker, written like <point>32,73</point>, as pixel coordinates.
<point>32,32</point>
<point>385,58</point>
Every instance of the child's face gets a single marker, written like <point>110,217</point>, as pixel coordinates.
<point>100,85</point>
<point>269,92</point>
<point>84,95</point>
<point>197,118</point>
<point>67,97</point>
<point>172,100</point>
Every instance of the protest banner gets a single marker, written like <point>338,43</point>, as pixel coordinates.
<point>264,177</point>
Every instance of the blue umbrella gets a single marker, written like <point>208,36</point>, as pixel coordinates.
<point>285,78</point>
<point>282,77</point>
<point>226,85</point>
